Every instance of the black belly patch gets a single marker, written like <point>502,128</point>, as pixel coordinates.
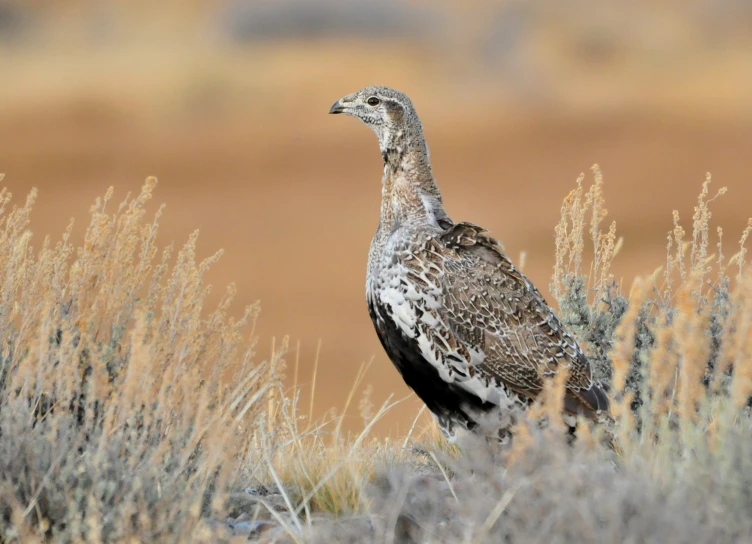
<point>445,400</point>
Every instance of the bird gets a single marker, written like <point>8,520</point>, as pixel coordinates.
<point>466,329</point>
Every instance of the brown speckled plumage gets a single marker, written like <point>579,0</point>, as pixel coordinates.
<point>465,328</point>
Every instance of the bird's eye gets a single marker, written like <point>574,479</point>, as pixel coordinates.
<point>373,101</point>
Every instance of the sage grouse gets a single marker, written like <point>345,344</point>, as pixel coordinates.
<point>467,330</point>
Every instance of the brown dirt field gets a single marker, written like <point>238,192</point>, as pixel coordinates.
<point>293,195</point>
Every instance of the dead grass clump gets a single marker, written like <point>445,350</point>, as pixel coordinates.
<point>555,493</point>
<point>117,421</point>
<point>319,467</point>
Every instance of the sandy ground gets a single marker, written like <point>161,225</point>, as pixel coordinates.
<point>292,195</point>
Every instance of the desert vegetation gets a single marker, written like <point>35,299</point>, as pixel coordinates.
<point>131,412</point>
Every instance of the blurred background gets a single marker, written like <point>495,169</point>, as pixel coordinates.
<point>226,103</point>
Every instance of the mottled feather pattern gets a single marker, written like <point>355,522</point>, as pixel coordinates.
<point>476,317</point>
<point>524,340</point>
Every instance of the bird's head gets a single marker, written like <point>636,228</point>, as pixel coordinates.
<point>391,115</point>
<point>384,110</point>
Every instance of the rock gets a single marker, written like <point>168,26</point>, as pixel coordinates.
<point>239,503</point>
<point>245,507</point>
<point>245,516</point>
<point>276,501</point>
<point>253,529</point>
<point>262,490</point>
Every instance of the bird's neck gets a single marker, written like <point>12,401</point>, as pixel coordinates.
<point>409,192</point>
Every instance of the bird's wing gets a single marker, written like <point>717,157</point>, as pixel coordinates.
<point>494,311</point>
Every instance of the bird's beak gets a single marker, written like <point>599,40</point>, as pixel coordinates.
<point>343,104</point>
<point>337,107</point>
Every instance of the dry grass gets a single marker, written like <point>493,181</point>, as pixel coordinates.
<point>115,421</point>
<point>129,414</point>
